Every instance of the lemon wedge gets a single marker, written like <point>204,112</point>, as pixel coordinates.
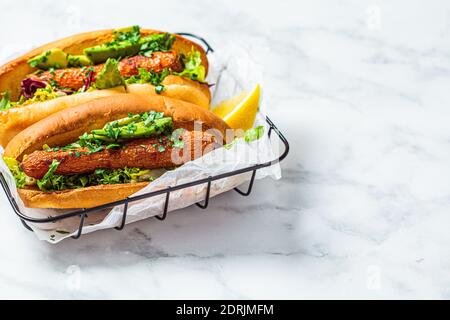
<point>240,111</point>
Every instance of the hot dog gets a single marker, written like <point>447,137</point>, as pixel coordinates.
<point>107,149</point>
<point>96,64</point>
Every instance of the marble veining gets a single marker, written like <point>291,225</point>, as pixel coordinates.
<point>361,90</point>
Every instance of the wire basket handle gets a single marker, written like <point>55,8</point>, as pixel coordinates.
<point>202,40</point>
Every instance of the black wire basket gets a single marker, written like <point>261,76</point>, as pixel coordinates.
<point>82,213</point>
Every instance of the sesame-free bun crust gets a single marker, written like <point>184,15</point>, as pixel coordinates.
<point>67,125</point>
<point>79,198</point>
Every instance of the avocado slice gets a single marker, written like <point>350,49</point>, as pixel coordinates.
<point>79,60</point>
<point>115,50</point>
<point>120,49</point>
<point>110,76</point>
<point>53,58</point>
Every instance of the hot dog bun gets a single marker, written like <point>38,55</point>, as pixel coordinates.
<point>67,125</point>
<point>79,198</point>
<point>12,73</point>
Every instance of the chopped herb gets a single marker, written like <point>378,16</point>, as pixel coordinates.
<point>161,149</point>
<point>93,148</point>
<point>193,67</point>
<point>46,182</point>
<point>254,134</point>
<point>33,63</point>
<point>132,34</point>
<point>156,42</point>
<point>148,124</point>
<point>130,128</point>
<point>159,88</point>
<point>53,83</point>
<point>113,145</point>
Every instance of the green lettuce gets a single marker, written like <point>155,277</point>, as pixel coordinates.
<point>146,76</point>
<point>55,182</point>
<point>46,182</point>
<point>193,67</point>
<point>132,34</point>
<point>156,42</point>
<point>114,133</point>
<point>21,178</point>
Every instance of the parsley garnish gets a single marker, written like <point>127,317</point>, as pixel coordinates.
<point>133,35</point>
<point>156,42</point>
<point>148,124</point>
<point>113,145</point>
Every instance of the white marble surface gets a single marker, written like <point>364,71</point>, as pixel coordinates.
<point>361,89</point>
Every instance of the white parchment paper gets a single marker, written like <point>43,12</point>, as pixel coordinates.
<point>232,70</point>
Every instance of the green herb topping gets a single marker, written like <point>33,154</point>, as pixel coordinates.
<point>46,182</point>
<point>151,77</point>
<point>193,67</point>
<point>129,42</point>
<point>156,42</point>
<point>21,178</point>
<point>114,133</point>
<point>132,34</point>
